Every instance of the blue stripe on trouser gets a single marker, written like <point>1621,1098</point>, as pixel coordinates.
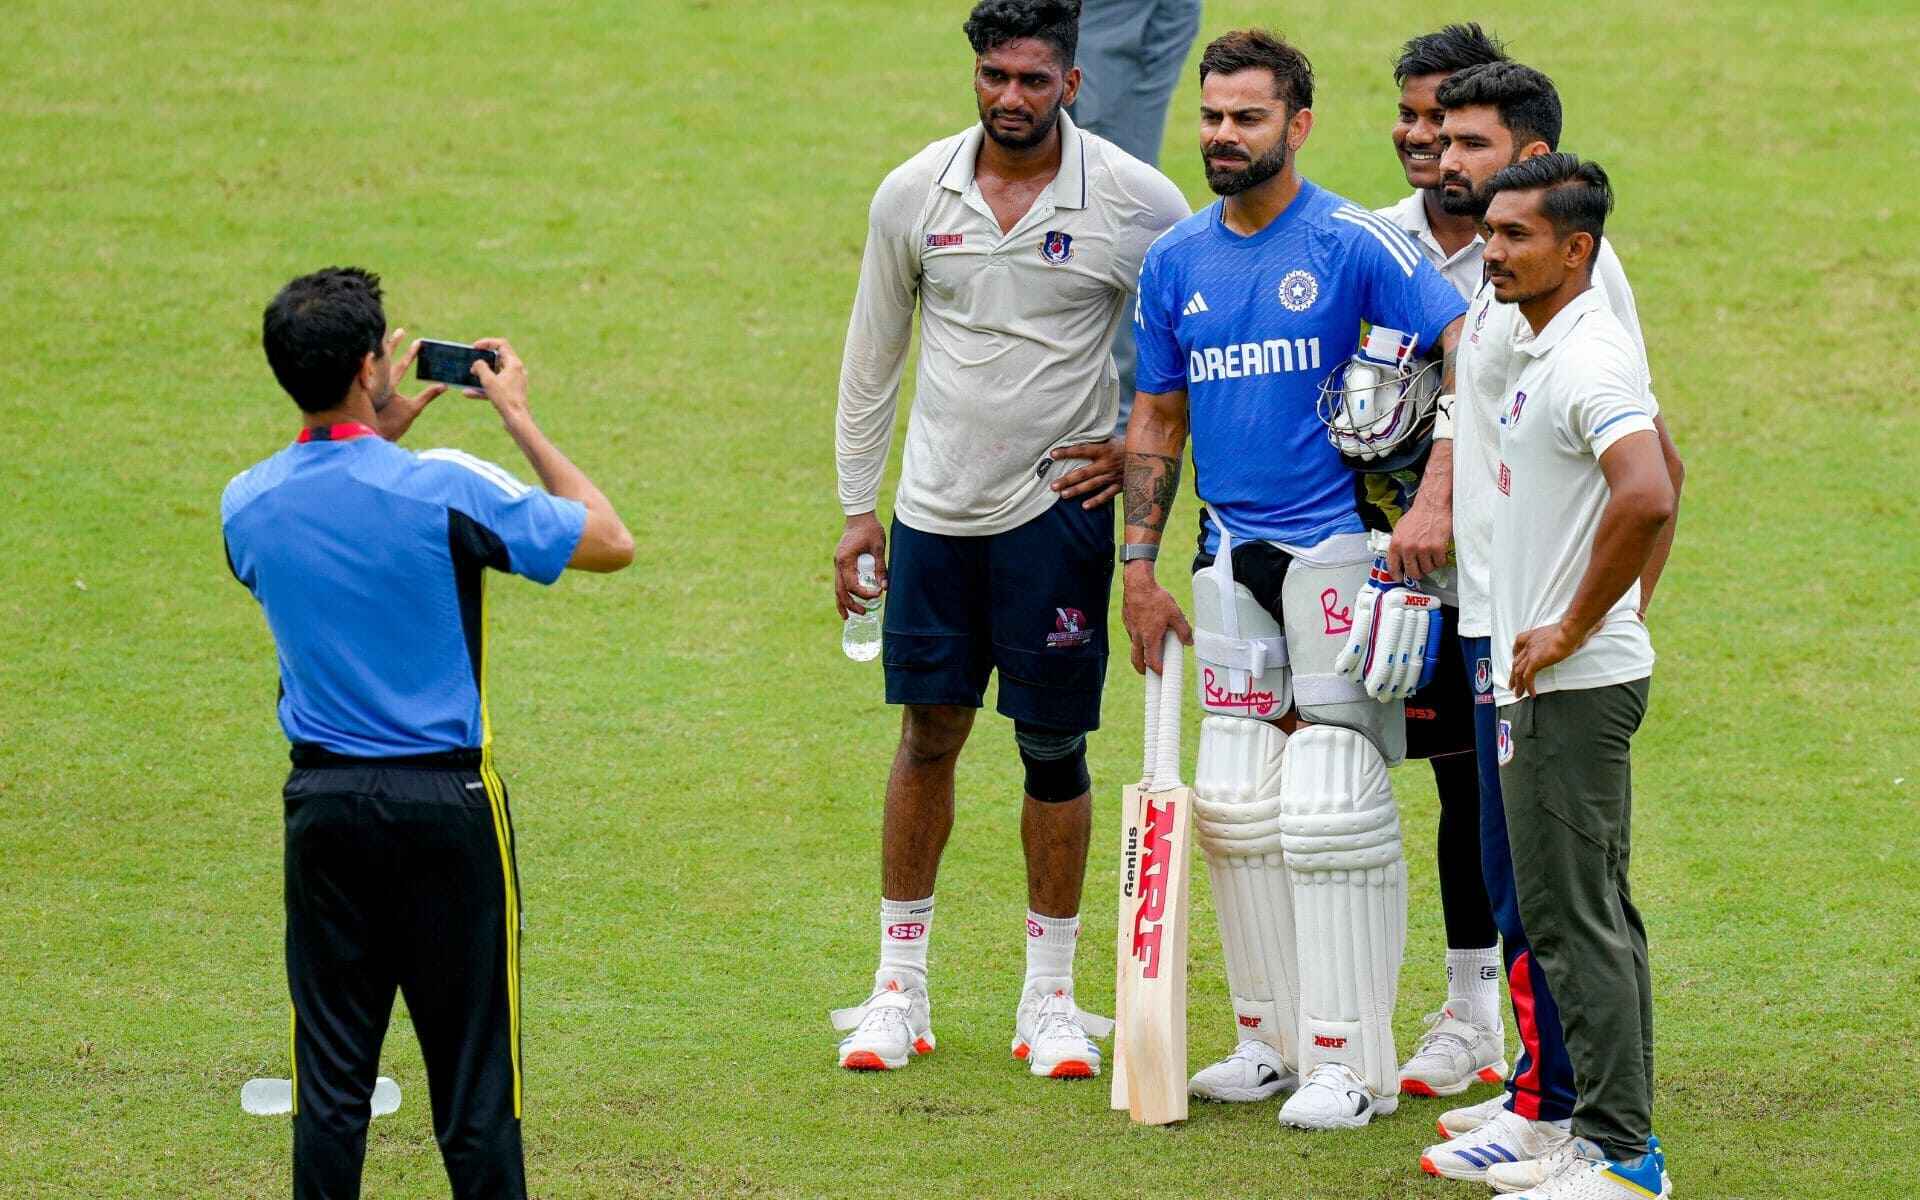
<point>1541,1085</point>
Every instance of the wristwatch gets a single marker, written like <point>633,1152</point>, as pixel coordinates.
<point>1138,550</point>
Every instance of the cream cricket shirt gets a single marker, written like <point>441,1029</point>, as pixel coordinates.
<point>1581,387</point>
<point>1490,355</point>
<point>1462,268</point>
<point>1016,329</point>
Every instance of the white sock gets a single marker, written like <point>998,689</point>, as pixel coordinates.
<point>1473,986</point>
<point>1051,942</point>
<point>905,927</point>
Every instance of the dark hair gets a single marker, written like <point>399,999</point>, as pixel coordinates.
<point>993,23</point>
<point>1444,51</point>
<point>1528,103</point>
<point>319,329</point>
<point>1578,195</point>
<point>1247,49</point>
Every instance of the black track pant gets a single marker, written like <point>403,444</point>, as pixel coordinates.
<point>402,877</point>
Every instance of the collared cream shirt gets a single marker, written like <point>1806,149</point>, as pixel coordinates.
<point>1581,387</point>
<point>1461,268</point>
<point>1016,330</point>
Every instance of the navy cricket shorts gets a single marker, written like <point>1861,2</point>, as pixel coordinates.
<point>1030,602</point>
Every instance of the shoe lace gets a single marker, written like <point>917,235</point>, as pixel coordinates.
<point>1438,1035</point>
<point>1329,1075</point>
<point>1058,1018</point>
<point>885,1010</point>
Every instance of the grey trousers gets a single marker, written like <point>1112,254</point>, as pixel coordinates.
<point>1131,52</point>
<point>1566,775</point>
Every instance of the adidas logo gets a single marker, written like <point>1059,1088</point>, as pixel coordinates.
<point>1196,305</point>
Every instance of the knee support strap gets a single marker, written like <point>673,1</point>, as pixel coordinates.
<point>1056,762</point>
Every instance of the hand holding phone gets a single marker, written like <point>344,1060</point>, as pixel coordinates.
<point>452,362</point>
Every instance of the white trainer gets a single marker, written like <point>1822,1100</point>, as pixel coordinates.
<point>1333,1097</point>
<point>894,1024</point>
<point>1452,1055</point>
<point>1456,1121</point>
<point>1578,1170</point>
<point>1052,1036</point>
<point>1508,1138</point>
<point>1254,1071</point>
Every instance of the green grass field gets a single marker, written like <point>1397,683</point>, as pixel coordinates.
<point>663,204</point>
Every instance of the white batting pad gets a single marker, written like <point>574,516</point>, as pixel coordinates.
<point>1240,647</point>
<point>1236,807</point>
<point>1341,833</point>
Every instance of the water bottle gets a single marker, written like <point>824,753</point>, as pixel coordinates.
<point>860,636</point>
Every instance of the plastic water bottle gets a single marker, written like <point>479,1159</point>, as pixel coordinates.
<point>860,636</point>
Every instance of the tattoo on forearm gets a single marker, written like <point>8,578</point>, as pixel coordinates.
<point>1153,480</point>
<point>1446,368</point>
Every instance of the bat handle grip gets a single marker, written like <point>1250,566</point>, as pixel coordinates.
<point>1165,741</point>
<point>1152,738</point>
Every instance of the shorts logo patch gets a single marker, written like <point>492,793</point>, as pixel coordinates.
<point>1504,743</point>
<point>1211,693</point>
<point>1298,291</point>
<point>1339,618</point>
<point>1069,629</point>
<point>1483,677</point>
<point>939,241</point>
<point>1057,247</point>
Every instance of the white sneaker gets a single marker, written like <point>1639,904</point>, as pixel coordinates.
<point>1581,1169</point>
<point>1332,1097</point>
<point>1452,1054</point>
<point>1254,1071</point>
<point>1508,1138</point>
<point>1456,1121</point>
<point>893,1025</point>
<point>1052,1036</point>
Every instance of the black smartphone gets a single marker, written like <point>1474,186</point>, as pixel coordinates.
<point>451,362</point>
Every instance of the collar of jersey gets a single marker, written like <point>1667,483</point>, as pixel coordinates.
<point>345,431</point>
<point>1562,323</point>
<point>1288,216</point>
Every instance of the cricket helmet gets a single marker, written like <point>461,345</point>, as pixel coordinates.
<point>1378,405</point>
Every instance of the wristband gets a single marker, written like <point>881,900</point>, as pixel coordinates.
<point>1443,418</point>
<point>1134,551</point>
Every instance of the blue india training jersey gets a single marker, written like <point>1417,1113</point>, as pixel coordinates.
<point>1248,327</point>
<point>369,562</point>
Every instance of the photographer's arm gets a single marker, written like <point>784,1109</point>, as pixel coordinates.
<point>605,545</point>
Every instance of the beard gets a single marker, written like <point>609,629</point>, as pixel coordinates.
<point>1231,182</point>
<point>1036,133</point>
<point>1469,201</point>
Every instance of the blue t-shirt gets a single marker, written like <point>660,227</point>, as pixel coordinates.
<point>369,562</point>
<point>1248,327</point>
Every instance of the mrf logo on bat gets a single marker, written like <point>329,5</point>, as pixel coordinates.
<point>1147,926</point>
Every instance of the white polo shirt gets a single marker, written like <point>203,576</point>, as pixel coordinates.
<point>1490,356</point>
<point>1461,268</point>
<point>1016,329</point>
<point>1581,388</point>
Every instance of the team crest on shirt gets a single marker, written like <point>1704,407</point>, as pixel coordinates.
<point>1512,419</point>
<point>1298,291</point>
<point>1504,743</point>
<point>1056,247</point>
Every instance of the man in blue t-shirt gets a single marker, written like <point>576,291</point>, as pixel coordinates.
<point>1244,309</point>
<point>370,562</point>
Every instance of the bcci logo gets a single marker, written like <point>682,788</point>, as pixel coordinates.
<point>1057,247</point>
<point>1504,743</point>
<point>1069,629</point>
<point>1298,291</point>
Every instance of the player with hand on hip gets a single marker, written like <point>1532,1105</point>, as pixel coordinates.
<point>1243,309</point>
<point>1019,242</point>
<point>1495,116</point>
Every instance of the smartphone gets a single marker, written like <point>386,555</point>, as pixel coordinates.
<point>451,362</point>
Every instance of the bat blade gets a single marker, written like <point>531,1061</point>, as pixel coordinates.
<point>1132,812</point>
<point>1155,1035</point>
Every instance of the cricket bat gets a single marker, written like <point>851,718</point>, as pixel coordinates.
<point>1150,1051</point>
<point>1132,810</point>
